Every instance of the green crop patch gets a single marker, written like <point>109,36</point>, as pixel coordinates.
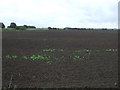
<point>36,57</point>
<point>83,50</point>
<point>88,50</point>
<point>76,57</point>
<point>111,50</point>
<point>11,57</point>
<point>52,50</point>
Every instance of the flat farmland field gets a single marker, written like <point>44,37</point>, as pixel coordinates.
<point>60,59</point>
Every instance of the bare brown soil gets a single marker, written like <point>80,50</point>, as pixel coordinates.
<point>98,70</point>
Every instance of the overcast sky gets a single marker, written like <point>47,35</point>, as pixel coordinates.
<point>60,13</point>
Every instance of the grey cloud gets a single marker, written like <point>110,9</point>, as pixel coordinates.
<point>62,13</point>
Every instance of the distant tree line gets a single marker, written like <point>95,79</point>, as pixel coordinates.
<point>24,27</point>
<point>68,28</point>
<point>2,25</point>
<point>12,25</point>
<point>53,28</point>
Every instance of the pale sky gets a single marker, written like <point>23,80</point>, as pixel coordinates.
<point>60,13</point>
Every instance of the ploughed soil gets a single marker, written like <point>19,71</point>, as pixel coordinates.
<point>97,69</point>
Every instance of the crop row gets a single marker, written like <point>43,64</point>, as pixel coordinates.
<point>51,59</point>
<point>80,50</point>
